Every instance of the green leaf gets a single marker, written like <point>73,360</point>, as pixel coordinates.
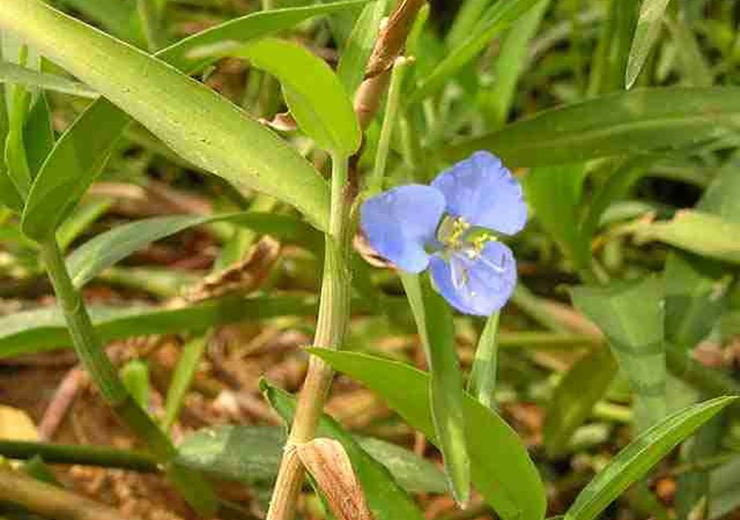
<point>341,24</point>
<point>697,232</point>
<point>76,161</point>
<point>512,60</point>
<point>639,121</point>
<point>414,473</point>
<point>631,316</point>
<point>38,135</point>
<point>497,19</point>
<point>437,331</point>
<point>696,291</point>
<point>574,398</point>
<point>106,249</point>
<point>467,18</point>
<point>187,363</point>
<point>696,70</point>
<point>612,54</point>
<point>484,373</point>
<point>14,150</point>
<point>554,192</point>
<point>616,186</point>
<point>385,498</point>
<point>259,449</point>
<point>12,73</point>
<point>118,17</point>
<point>359,46</point>
<point>696,288</point>
<point>9,195</point>
<point>193,120</point>
<point>135,377</point>
<point>646,34</point>
<point>244,453</point>
<point>30,332</point>
<point>314,94</point>
<point>87,212</point>
<point>634,461</point>
<point>500,466</point>
<point>195,52</point>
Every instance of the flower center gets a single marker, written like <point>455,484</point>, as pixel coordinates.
<point>461,244</point>
<point>452,231</point>
<point>455,235</point>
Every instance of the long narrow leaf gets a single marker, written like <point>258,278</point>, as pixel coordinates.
<point>646,34</point>
<point>437,331</point>
<point>30,332</point>
<point>75,162</point>
<point>500,16</point>
<point>634,461</point>
<point>108,248</point>
<point>195,52</point>
<point>639,121</point>
<point>197,123</point>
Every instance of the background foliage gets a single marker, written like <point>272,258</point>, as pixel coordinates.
<point>151,170</point>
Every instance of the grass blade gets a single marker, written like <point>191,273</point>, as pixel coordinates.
<point>646,34</point>
<point>640,121</point>
<point>634,461</point>
<point>75,162</point>
<point>437,331</point>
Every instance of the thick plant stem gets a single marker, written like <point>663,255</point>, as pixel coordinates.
<point>86,343</point>
<point>90,351</point>
<point>85,455</point>
<point>330,331</point>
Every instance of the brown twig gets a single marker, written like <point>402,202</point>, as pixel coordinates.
<point>389,46</point>
<point>63,398</point>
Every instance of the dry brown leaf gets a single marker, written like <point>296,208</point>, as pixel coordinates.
<point>329,465</point>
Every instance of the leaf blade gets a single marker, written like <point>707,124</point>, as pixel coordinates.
<point>314,94</point>
<point>193,120</point>
<point>640,455</point>
<point>500,466</point>
<point>639,121</point>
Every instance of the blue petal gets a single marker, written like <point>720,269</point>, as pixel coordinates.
<point>398,224</point>
<point>476,285</point>
<point>484,193</point>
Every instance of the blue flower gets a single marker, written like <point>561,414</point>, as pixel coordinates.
<point>449,227</point>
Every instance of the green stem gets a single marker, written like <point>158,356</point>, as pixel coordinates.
<point>412,150</point>
<point>84,455</point>
<point>330,331</point>
<point>86,343</point>
<point>400,67</point>
<point>91,354</point>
